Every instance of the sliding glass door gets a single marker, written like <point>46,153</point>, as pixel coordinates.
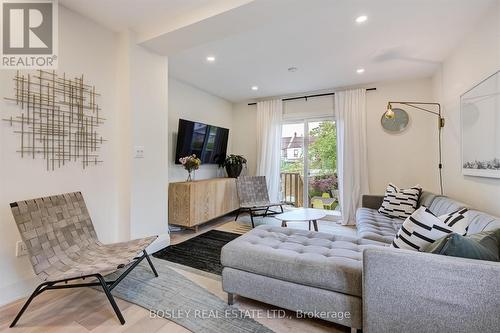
<point>309,163</point>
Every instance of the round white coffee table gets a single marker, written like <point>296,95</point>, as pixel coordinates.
<point>302,215</point>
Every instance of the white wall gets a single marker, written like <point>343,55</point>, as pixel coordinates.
<point>404,159</point>
<point>111,188</point>
<point>477,57</point>
<point>149,116</point>
<point>83,48</point>
<point>190,103</point>
<point>245,134</point>
<point>408,158</point>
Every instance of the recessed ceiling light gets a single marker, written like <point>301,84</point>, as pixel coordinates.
<point>292,69</point>
<point>360,70</point>
<point>255,88</point>
<point>361,19</point>
<point>210,58</point>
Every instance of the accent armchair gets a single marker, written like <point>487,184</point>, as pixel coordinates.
<point>254,197</point>
<point>63,247</point>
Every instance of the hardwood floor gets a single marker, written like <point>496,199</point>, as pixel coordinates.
<point>84,310</point>
<point>88,310</point>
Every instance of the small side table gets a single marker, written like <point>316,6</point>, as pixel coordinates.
<point>302,215</point>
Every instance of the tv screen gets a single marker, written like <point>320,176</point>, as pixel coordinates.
<point>207,142</point>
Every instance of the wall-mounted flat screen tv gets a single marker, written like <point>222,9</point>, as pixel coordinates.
<point>207,142</point>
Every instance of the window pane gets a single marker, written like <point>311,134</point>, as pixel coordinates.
<point>292,163</point>
<point>322,163</point>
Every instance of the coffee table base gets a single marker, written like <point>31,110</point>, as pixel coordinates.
<point>314,222</point>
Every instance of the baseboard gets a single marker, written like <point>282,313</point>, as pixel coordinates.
<point>18,290</point>
<point>161,242</point>
<point>23,288</point>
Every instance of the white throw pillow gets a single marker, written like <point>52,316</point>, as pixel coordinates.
<point>400,203</point>
<point>458,221</point>
<point>423,228</point>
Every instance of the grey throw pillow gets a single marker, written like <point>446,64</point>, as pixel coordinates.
<point>483,246</point>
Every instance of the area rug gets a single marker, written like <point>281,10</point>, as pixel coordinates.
<point>201,252</point>
<point>174,297</point>
<point>236,227</point>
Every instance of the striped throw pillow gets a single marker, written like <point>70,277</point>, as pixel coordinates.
<point>458,221</point>
<point>400,203</point>
<point>423,228</point>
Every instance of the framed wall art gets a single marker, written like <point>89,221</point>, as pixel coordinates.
<point>480,127</point>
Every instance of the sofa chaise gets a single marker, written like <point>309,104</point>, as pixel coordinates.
<point>360,282</point>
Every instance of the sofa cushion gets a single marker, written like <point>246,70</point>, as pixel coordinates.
<point>443,205</point>
<point>372,225</point>
<point>426,199</point>
<point>480,221</point>
<point>314,259</point>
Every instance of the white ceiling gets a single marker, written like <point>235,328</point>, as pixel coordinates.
<point>149,18</point>
<point>255,41</point>
<point>401,39</point>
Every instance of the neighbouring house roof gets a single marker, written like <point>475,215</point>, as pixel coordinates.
<point>285,141</point>
<point>290,142</point>
<point>294,141</point>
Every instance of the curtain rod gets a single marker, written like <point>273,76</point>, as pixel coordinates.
<point>311,96</point>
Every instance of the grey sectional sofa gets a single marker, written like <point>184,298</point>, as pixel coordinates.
<point>382,289</point>
<point>408,291</point>
<point>372,225</point>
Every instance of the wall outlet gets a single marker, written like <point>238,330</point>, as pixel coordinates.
<point>21,249</point>
<point>138,152</point>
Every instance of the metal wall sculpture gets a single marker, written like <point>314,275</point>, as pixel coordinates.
<point>59,119</point>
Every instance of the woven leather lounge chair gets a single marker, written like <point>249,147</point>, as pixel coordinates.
<point>63,246</point>
<point>254,197</point>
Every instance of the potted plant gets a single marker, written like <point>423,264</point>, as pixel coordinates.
<point>190,163</point>
<point>234,164</point>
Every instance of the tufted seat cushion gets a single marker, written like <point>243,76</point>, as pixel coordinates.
<point>310,258</point>
<point>372,225</point>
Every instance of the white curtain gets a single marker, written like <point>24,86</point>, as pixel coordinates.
<point>352,169</point>
<point>269,116</point>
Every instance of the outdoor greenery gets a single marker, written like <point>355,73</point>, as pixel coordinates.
<point>323,149</point>
<point>292,166</point>
<point>322,152</point>
<point>323,184</point>
<point>322,159</point>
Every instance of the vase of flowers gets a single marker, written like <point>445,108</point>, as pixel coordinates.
<point>234,164</point>
<point>190,163</point>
